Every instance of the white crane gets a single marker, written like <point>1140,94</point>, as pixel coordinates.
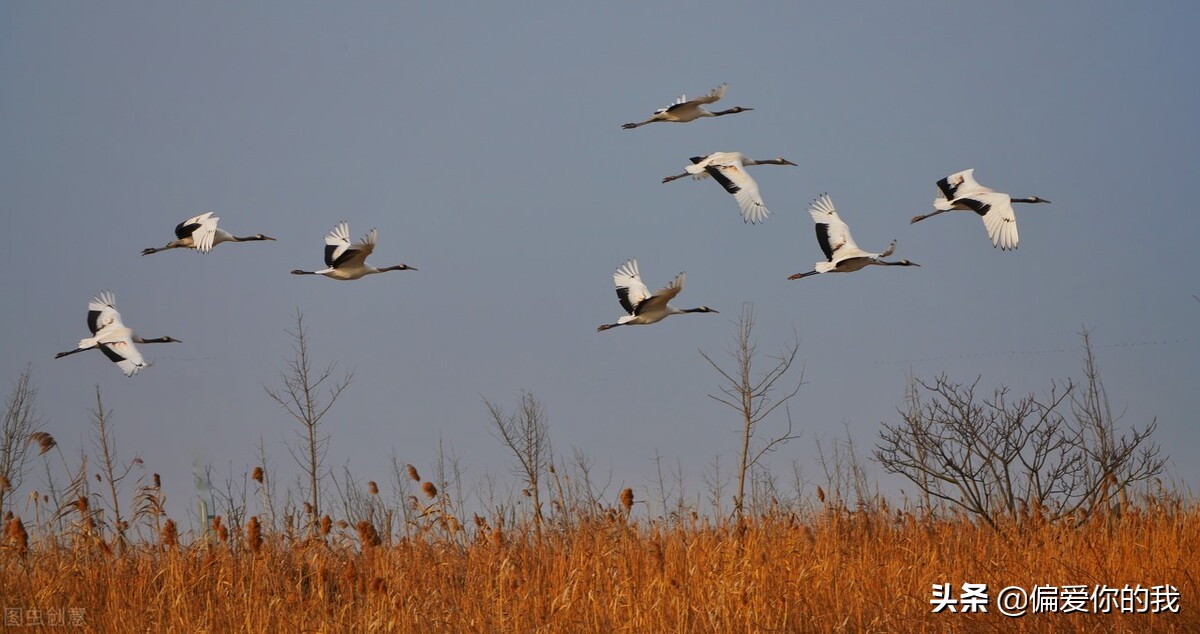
<point>728,169</point>
<point>112,337</point>
<point>644,308</point>
<point>348,261</point>
<point>201,233</point>
<point>682,110</point>
<point>841,254</point>
<point>959,191</point>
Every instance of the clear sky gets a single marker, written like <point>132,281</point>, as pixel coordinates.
<point>485,145</point>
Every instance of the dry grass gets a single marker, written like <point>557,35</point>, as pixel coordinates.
<point>832,571</point>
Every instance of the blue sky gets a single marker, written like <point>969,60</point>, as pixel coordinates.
<point>485,146</point>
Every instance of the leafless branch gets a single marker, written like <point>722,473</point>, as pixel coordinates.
<point>301,398</point>
<point>752,396</point>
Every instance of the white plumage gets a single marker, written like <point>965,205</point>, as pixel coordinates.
<point>729,170</point>
<point>642,306</point>
<point>683,110</point>
<point>960,191</point>
<point>842,255</point>
<point>201,234</point>
<point>346,260</point>
<point>112,337</point>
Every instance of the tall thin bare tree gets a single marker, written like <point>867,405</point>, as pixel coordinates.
<point>104,442</point>
<point>301,397</point>
<point>526,434</point>
<point>754,396</point>
<point>20,423</point>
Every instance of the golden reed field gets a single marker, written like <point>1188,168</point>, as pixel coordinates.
<point>830,571</point>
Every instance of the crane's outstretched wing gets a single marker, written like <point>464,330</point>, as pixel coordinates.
<point>206,230</point>
<point>102,312</point>
<point>833,234</point>
<point>679,101</point>
<point>956,185</point>
<point>337,241</point>
<point>733,177</point>
<point>123,353</point>
<point>189,226</point>
<point>996,210</point>
<point>662,296</point>
<point>713,95</point>
<point>339,251</point>
<point>631,291</point>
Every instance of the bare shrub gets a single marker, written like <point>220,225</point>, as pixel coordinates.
<point>1001,456</point>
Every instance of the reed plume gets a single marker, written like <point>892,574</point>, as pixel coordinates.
<point>254,537</point>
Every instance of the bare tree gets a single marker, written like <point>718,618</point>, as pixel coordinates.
<point>526,433</point>
<point>1000,456</point>
<point>20,423</point>
<point>301,398</point>
<point>753,396</point>
<point>1120,461</point>
<point>105,444</point>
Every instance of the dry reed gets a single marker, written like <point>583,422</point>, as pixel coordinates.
<point>832,570</point>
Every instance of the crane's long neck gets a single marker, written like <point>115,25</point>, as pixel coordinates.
<point>721,113</point>
<point>398,267</point>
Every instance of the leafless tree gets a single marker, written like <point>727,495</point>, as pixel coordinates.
<point>1119,461</point>
<point>1055,455</point>
<point>301,397</point>
<point>753,397</point>
<point>20,423</point>
<point>104,442</point>
<point>525,433</point>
